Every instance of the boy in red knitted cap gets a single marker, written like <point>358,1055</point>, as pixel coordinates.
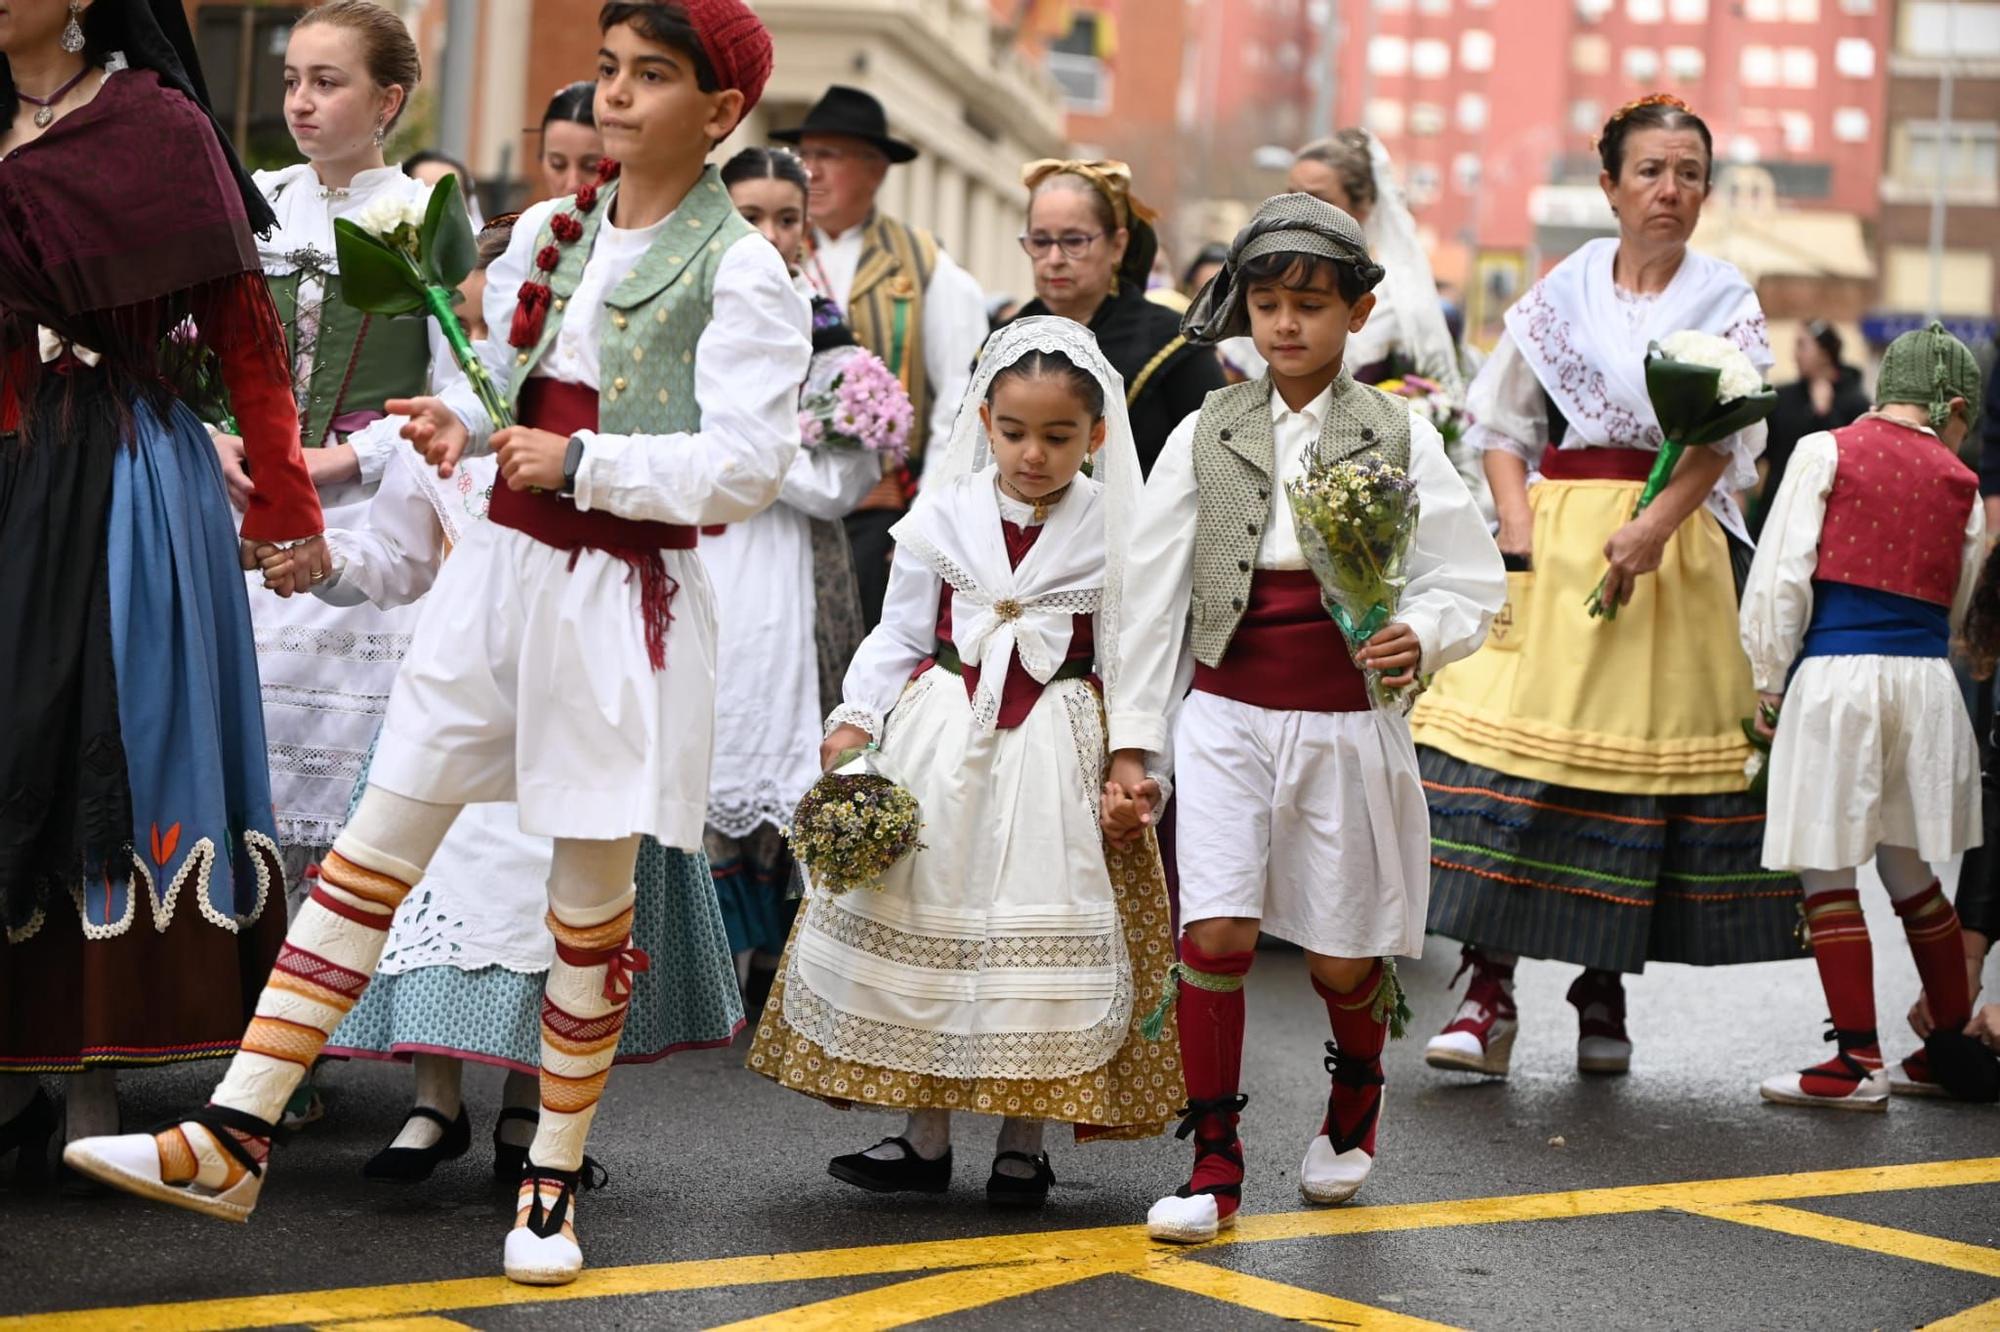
<point>653,348</point>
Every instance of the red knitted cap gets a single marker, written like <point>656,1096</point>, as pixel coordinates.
<point>736,43</point>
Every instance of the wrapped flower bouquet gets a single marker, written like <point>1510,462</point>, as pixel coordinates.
<point>1356,520</point>
<point>855,824</point>
<point>852,401</point>
<point>1703,389</point>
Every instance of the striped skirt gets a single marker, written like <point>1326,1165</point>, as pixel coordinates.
<point>1602,880</point>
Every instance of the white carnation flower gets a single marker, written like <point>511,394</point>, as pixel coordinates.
<point>1739,377</point>
<point>386,213</point>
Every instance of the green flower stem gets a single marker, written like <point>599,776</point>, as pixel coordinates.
<point>438,300</point>
<point>1657,480</point>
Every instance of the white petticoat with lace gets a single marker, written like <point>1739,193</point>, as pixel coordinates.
<point>995,951</point>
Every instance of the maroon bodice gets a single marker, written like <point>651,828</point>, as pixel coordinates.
<point>1895,519</point>
<point>1018,696</point>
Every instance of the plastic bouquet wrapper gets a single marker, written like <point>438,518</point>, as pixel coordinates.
<point>397,259</point>
<point>855,824</point>
<point>1430,400</point>
<point>1757,768</point>
<point>851,401</point>
<point>1703,389</point>
<point>1356,520</point>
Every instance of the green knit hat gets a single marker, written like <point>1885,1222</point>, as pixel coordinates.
<point>1929,367</point>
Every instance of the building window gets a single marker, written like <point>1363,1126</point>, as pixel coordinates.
<point>1850,124</point>
<point>1475,49</point>
<point>1422,187</point>
<point>219,35</point>
<point>1685,62</point>
<point>1427,118</point>
<point>1800,67</point>
<point>1590,11</point>
<point>1797,127</point>
<point>1645,11</point>
<point>1969,158</point>
<point>1802,11</point>
<point>1465,169</point>
<point>1689,11</point>
<point>1857,6</point>
<point>1764,11</point>
<point>1076,63</point>
<point>1388,55</point>
<point>1743,148</point>
<point>1642,64</point>
<point>1855,57</point>
<point>1939,28</point>
<point>1434,6</point>
<point>1589,54</point>
<point>1760,67</point>
<point>1471,112</point>
<point>1430,58</point>
<point>1585,116</point>
<point>1385,116</point>
<point>1391,6</point>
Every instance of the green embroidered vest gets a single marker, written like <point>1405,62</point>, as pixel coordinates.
<point>359,361</point>
<point>653,319</point>
<point>1235,471</point>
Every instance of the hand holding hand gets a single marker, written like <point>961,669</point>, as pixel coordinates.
<point>1396,652</point>
<point>435,430</point>
<point>1130,797</point>
<point>295,569</point>
<point>531,459</point>
<point>842,739</point>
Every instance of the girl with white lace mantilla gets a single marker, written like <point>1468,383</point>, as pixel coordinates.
<point>994,969</point>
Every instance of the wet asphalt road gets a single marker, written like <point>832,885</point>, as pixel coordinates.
<point>710,1162</point>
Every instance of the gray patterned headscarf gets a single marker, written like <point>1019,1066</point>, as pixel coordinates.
<point>1282,224</point>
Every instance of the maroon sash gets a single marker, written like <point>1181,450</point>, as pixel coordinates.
<point>1597,464</point>
<point>1287,654</point>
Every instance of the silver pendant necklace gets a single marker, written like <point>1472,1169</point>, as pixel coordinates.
<point>45,113</point>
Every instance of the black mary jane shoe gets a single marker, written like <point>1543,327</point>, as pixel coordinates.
<point>412,1165</point>
<point>508,1160</point>
<point>908,1173</point>
<point>1005,1190</point>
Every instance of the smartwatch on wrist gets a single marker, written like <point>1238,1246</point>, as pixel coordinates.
<point>572,463</point>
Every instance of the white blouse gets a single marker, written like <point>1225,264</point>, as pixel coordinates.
<point>1778,598</point>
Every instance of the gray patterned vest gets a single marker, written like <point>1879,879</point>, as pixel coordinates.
<point>1235,470</point>
<point>654,318</point>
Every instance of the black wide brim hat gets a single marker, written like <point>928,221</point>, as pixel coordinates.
<point>853,114</point>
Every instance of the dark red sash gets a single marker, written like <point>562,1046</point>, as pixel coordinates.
<point>554,520</point>
<point>1597,464</point>
<point>1287,653</point>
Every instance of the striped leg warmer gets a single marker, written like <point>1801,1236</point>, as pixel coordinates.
<point>1932,928</point>
<point>1846,962</point>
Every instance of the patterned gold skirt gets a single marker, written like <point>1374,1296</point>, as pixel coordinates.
<point>1135,1095</point>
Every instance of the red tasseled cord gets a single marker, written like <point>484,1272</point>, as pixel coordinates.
<point>531,308</point>
<point>656,596</point>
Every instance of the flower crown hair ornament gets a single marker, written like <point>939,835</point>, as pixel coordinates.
<point>1639,104</point>
<point>532,302</point>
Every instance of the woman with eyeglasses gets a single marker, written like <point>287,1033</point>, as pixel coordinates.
<point>1093,245</point>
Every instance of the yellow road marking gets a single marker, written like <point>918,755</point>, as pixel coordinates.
<point>1068,1253</point>
<point>1980,1318</point>
<point>901,1303</point>
<point>424,1324</point>
<point>1309,1307</point>
<point>1859,1235</point>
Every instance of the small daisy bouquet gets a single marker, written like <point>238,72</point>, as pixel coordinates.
<point>1429,400</point>
<point>399,257</point>
<point>1703,389</point>
<point>851,401</point>
<point>1356,519</point>
<point>854,824</point>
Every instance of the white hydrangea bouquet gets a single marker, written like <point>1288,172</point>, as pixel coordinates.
<point>399,257</point>
<point>1703,389</point>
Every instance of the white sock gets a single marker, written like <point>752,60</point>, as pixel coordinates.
<point>439,1082</point>
<point>1019,1135</point>
<point>927,1131</point>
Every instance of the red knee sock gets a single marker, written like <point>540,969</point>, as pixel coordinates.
<point>1211,1030</point>
<point>1932,928</point>
<point>1355,1061</point>
<point>1847,973</point>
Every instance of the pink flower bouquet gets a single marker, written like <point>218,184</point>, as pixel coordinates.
<point>851,401</point>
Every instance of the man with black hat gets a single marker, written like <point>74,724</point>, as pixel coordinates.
<point>908,302</point>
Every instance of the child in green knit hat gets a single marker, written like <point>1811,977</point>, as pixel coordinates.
<point>1866,567</point>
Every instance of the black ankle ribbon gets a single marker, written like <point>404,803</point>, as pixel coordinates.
<point>1355,1073</point>
<point>219,1120</point>
<point>545,1222</point>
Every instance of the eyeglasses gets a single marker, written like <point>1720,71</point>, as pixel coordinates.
<point>1073,244</point>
